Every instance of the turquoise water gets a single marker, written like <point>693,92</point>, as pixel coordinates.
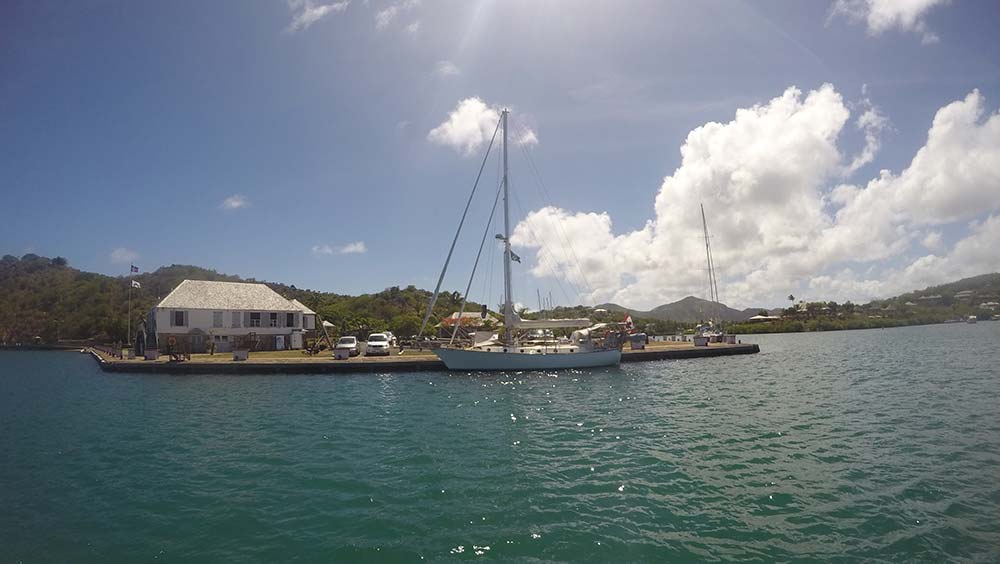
<point>876,445</point>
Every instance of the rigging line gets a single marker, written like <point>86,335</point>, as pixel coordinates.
<point>564,239</point>
<point>488,282</point>
<point>437,289</point>
<point>472,276</point>
<point>549,262</point>
<point>546,262</point>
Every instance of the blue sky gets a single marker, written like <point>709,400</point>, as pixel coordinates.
<point>290,141</point>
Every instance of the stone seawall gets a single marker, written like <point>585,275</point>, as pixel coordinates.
<point>362,365</point>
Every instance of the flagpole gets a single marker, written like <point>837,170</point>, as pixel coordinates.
<point>128,337</point>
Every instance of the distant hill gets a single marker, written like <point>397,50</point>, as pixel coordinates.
<point>984,286</point>
<point>688,310</point>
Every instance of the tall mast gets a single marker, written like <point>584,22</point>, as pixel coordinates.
<point>508,306</point>
<point>713,285</point>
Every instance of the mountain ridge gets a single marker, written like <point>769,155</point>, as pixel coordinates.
<point>689,309</point>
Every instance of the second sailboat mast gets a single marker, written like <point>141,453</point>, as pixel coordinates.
<point>508,306</point>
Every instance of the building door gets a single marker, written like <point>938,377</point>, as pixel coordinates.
<point>222,344</point>
<point>279,342</point>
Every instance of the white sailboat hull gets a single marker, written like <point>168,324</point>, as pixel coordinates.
<point>466,359</point>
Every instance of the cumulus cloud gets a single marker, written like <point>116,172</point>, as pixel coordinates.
<point>355,248</point>
<point>882,15</point>
<point>779,223</point>
<point>972,255</point>
<point>234,202</point>
<point>307,12</point>
<point>446,68</point>
<point>471,125</point>
<point>123,255</point>
<point>413,28</point>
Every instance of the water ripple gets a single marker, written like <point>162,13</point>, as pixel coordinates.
<point>868,445</point>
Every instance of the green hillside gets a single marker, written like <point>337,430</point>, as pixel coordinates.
<point>954,301</point>
<point>47,298</point>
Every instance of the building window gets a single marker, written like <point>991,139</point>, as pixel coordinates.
<point>289,320</point>
<point>255,319</point>
<point>178,319</point>
<point>236,320</point>
<point>273,320</point>
<point>216,319</point>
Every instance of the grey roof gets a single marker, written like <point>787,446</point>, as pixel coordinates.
<point>205,294</point>
<point>301,306</point>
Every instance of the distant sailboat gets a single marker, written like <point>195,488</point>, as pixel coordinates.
<point>588,346</point>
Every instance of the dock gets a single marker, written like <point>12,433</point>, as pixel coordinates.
<point>294,362</point>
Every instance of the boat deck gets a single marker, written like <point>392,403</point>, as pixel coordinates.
<point>295,362</point>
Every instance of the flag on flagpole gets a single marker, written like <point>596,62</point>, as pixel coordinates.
<point>628,323</point>
<point>135,284</point>
<point>134,268</point>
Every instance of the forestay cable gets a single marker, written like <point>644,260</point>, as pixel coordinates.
<point>437,289</point>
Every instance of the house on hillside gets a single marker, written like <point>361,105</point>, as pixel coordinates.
<point>965,295</point>
<point>198,313</point>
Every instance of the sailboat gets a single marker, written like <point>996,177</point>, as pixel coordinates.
<point>709,329</point>
<point>588,345</point>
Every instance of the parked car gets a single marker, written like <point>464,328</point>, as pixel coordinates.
<point>349,343</point>
<point>391,337</point>
<point>378,345</point>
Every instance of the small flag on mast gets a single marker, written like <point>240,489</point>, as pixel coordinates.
<point>628,323</point>
<point>514,257</point>
<point>134,268</point>
<point>135,284</point>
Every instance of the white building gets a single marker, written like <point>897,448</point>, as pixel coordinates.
<point>199,312</point>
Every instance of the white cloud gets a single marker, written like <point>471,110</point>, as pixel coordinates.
<point>122,255</point>
<point>446,68</point>
<point>234,202</point>
<point>974,254</point>
<point>471,125</point>
<point>307,12</point>
<point>527,137</point>
<point>777,226</point>
<point>872,123</point>
<point>413,28</point>
<point>386,16</point>
<point>355,248</point>
<point>932,241</point>
<point>956,175</point>
<point>882,15</point>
